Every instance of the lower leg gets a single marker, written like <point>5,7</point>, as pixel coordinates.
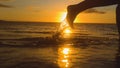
<point>74,10</point>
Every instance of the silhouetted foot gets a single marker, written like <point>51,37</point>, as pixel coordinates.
<point>71,14</point>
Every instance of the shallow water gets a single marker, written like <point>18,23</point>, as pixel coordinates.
<point>59,56</point>
<point>10,30</point>
<point>95,47</point>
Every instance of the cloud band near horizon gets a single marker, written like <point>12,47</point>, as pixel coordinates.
<point>5,6</point>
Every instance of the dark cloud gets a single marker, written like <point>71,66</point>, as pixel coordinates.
<point>5,6</point>
<point>94,11</point>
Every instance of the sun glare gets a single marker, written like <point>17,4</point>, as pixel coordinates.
<point>64,57</point>
<point>63,15</point>
<point>66,51</point>
<point>68,31</point>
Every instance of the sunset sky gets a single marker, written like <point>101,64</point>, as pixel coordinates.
<point>52,11</point>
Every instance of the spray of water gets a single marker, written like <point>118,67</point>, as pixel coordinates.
<point>63,29</point>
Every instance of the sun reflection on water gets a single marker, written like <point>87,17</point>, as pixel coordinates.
<point>64,56</point>
<point>66,51</point>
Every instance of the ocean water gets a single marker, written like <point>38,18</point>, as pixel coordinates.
<point>25,30</point>
<point>94,46</point>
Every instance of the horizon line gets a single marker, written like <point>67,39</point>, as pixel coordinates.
<point>57,22</point>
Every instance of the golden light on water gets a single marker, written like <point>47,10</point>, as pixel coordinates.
<point>66,51</point>
<point>63,60</point>
<point>67,31</point>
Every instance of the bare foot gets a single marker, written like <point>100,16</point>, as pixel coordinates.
<point>71,14</point>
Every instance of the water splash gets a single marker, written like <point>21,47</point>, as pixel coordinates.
<point>63,30</point>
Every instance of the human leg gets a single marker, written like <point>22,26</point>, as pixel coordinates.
<point>74,10</point>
